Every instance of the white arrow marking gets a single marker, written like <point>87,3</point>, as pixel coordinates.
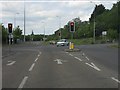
<point>87,58</point>
<point>12,62</point>
<point>58,61</point>
<point>115,79</point>
<point>93,66</point>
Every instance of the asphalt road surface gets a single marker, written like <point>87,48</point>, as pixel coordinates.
<point>34,65</point>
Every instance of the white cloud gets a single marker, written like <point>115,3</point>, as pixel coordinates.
<point>37,12</point>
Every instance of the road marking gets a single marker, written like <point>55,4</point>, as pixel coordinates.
<point>58,61</point>
<point>70,54</point>
<point>38,55</point>
<point>36,59</point>
<point>83,54</point>
<point>11,63</point>
<point>78,58</point>
<point>93,66</point>
<point>115,79</point>
<point>32,67</point>
<point>23,82</point>
<point>87,58</point>
<point>66,52</point>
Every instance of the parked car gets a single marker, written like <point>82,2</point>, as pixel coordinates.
<point>62,42</point>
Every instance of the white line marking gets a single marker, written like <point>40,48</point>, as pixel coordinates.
<point>66,52</point>
<point>83,54</point>
<point>78,58</point>
<point>115,79</point>
<point>87,58</point>
<point>23,82</point>
<point>36,59</point>
<point>70,54</point>
<point>32,67</point>
<point>11,63</point>
<point>58,61</point>
<point>93,66</point>
<point>38,55</point>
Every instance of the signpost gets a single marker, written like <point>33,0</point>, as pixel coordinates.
<point>72,30</point>
<point>10,27</point>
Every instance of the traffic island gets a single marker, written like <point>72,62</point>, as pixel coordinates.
<point>71,48</point>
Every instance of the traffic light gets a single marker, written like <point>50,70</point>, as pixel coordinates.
<point>72,26</point>
<point>10,27</point>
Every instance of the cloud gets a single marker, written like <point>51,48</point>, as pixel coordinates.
<point>38,12</point>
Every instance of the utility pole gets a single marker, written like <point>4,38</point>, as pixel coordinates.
<point>94,24</point>
<point>24,20</point>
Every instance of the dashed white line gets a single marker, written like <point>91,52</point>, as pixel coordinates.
<point>23,82</point>
<point>70,54</point>
<point>32,67</point>
<point>93,66</point>
<point>78,58</point>
<point>11,63</point>
<point>38,55</point>
<point>83,54</point>
<point>66,52</point>
<point>115,79</point>
<point>36,59</point>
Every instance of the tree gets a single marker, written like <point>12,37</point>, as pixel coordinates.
<point>17,33</point>
<point>4,34</point>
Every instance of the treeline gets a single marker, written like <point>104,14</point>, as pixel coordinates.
<point>105,20</point>
<point>17,35</point>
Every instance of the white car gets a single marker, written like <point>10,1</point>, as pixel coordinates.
<point>62,42</point>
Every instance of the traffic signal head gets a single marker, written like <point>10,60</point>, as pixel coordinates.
<point>10,27</point>
<point>72,26</point>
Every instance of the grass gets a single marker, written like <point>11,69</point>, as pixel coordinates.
<point>81,41</point>
<point>115,46</point>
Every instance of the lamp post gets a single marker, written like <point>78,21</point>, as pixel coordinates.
<point>60,33</point>
<point>24,20</point>
<point>44,29</point>
<point>94,24</point>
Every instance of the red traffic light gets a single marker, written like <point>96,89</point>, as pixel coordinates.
<point>71,23</point>
<point>10,27</point>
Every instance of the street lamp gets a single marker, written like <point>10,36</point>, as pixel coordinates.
<point>60,27</point>
<point>44,28</point>
<point>24,20</point>
<point>94,24</point>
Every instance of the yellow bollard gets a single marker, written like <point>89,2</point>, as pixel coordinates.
<point>72,46</point>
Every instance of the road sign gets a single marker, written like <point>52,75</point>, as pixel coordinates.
<point>104,33</point>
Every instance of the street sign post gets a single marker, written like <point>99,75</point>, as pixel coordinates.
<point>10,28</point>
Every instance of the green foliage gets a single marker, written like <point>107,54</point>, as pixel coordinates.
<point>112,34</point>
<point>4,34</point>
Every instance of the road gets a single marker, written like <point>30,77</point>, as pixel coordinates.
<point>34,65</point>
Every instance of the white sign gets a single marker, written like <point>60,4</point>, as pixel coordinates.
<point>104,33</point>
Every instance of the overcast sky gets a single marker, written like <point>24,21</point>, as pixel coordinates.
<point>48,14</point>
